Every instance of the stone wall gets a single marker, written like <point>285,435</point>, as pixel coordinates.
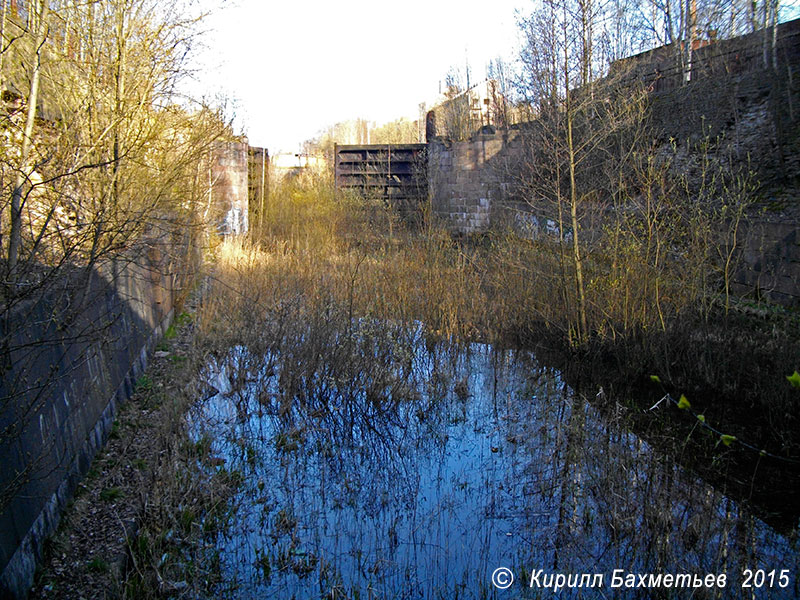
<point>771,259</point>
<point>749,122</point>
<point>70,358</point>
<point>467,181</point>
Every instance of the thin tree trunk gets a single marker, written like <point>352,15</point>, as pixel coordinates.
<point>775,36</point>
<point>2,89</point>
<point>586,41</point>
<point>689,38</point>
<point>2,41</point>
<point>119,93</point>
<point>15,238</point>
<point>573,195</point>
<point>561,260</point>
<point>765,27</point>
<point>576,249</point>
<point>263,190</point>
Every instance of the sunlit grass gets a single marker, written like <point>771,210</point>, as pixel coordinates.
<point>320,258</point>
<point>356,254</point>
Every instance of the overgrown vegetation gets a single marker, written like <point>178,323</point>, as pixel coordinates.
<point>326,258</point>
<point>310,327</point>
<point>100,175</point>
<point>152,498</point>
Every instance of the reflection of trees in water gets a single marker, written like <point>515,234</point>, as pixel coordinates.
<point>375,460</point>
<point>615,504</point>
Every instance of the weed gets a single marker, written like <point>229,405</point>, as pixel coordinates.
<point>178,358</point>
<point>285,521</point>
<point>187,518</point>
<point>97,565</point>
<point>200,449</point>
<point>265,566</point>
<point>144,383</point>
<point>111,494</point>
<point>284,443</point>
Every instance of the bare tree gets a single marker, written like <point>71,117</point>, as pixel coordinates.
<point>558,85</point>
<point>23,170</point>
<point>501,93</point>
<point>103,166</point>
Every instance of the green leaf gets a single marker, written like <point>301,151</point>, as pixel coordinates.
<point>683,403</point>
<point>655,378</point>
<point>794,379</point>
<point>701,418</point>
<point>727,439</point>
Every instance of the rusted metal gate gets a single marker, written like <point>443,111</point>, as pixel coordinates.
<point>396,173</point>
<point>257,184</point>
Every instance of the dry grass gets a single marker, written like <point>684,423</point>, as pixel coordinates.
<point>321,252</point>
<point>321,259</point>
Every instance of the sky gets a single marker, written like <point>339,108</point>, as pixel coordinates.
<point>292,68</point>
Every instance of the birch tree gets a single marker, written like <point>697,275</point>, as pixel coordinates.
<point>557,83</point>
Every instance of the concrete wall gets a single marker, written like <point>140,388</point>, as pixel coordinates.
<point>71,357</point>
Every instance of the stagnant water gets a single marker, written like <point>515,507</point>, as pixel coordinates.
<point>392,467</point>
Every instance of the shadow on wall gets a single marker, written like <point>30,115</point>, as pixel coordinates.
<point>69,358</point>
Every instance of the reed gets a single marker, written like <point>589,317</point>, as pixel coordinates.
<point>321,258</point>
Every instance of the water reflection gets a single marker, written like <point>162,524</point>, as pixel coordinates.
<point>386,466</point>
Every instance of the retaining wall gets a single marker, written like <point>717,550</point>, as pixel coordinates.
<point>70,358</point>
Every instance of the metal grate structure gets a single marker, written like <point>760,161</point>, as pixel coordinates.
<point>396,173</point>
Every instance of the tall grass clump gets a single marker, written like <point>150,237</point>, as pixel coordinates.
<point>347,254</point>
